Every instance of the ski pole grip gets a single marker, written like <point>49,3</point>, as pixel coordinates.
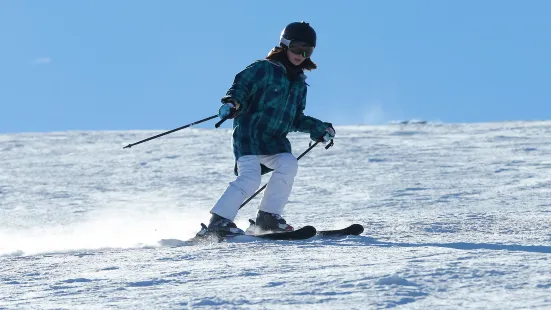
<point>220,122</point>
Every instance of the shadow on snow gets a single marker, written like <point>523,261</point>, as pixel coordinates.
<point>369,241</point>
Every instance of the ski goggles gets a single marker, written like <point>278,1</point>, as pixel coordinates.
<point>301,48</point>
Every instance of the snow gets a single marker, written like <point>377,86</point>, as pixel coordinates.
<point>456,216</point>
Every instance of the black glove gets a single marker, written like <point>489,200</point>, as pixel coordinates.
<point>328,136</point>
<point>228,110</point>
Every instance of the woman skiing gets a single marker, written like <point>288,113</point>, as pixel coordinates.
<point>266,101</point>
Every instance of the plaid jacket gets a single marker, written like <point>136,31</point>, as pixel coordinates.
<point>271,106</point>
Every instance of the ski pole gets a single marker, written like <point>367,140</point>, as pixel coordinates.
<point>220,122</point>
<point>171,131</point>
<point>298,158</point>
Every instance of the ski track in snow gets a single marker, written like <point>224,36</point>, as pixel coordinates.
<point>456,216</point>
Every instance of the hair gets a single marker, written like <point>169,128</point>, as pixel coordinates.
<point>280,53</point>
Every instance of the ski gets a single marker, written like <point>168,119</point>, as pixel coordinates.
<point>354,229</point>
<point>302,233</point>
<point>205,237</point>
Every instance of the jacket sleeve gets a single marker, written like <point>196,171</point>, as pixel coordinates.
<point>245,84</point>
<point>308,124</point>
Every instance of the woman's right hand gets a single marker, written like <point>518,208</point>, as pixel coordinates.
<point>228,110</point>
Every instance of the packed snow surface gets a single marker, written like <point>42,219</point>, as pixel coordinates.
<point>456,216</point>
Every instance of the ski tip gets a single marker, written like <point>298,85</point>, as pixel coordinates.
<point>310,229</point>
<point>356,229</point>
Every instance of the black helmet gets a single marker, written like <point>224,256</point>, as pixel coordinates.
<point>300,31</point>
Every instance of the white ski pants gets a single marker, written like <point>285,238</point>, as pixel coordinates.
<point>277,192</point>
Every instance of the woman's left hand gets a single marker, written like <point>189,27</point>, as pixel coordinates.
<point>329,134</point>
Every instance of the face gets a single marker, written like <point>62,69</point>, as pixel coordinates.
<point>294,58</point>
<point>298,52</point>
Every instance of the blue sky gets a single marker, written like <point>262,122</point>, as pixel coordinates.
<point>123,65</point>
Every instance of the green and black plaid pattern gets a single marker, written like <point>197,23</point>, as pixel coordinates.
<point>271,107</point>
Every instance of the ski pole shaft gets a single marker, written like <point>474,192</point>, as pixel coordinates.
<point>263,187</point>
<point>171,131</point>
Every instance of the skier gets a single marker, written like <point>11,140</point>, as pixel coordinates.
<point>266,101</point>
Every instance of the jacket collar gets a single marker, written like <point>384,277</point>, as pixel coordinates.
<point>301,75</point>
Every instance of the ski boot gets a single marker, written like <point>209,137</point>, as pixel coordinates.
<point>268,222</point>
<point>219,227</point>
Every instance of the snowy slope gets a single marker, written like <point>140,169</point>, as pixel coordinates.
<point>456,216</point>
